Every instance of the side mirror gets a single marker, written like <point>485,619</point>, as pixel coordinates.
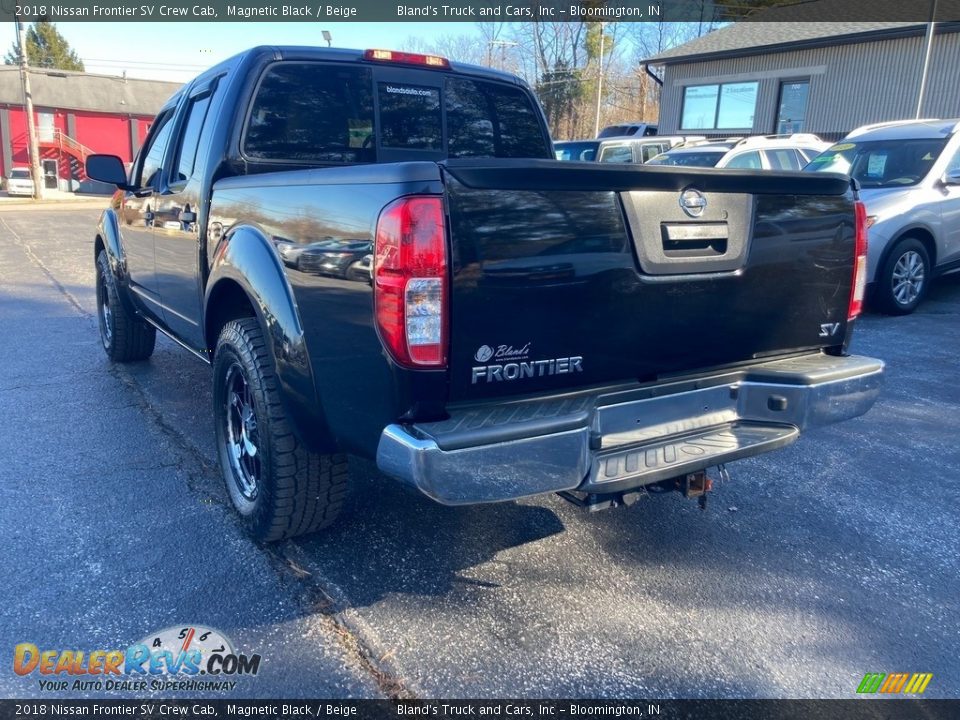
<point>951,178</point>
<point>107,169</point>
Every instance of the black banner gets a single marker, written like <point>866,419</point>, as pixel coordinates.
<point>481,10</point>
<point>148,709</point>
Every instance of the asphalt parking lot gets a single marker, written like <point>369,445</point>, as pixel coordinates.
<point>814,565</point>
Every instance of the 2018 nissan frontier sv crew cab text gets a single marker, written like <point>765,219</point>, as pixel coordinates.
<point>378,256</point>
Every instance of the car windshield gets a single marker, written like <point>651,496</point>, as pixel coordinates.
<point>704,158</point>
<point>881,163</point>
<point>586,151</point>
<point>20,174</point>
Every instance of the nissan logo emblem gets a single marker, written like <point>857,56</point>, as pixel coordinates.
<point>693,202</point>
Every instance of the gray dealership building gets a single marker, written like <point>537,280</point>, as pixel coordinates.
<point>824,78</point>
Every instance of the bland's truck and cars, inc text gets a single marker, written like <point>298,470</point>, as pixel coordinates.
<point>526,325</point>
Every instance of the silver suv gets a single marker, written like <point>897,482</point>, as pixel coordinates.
<point>909,176</point>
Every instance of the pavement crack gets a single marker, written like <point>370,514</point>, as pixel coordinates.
<point>324,600</point>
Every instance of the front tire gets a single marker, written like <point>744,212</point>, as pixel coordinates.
<point>125,337</point>
<point>279,488</point>
<point>904,278</point>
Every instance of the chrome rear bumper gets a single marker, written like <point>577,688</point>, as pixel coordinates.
<point>617,441</point>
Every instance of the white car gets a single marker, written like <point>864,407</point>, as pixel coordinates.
<point>761,152</point>
<point>19,182</point>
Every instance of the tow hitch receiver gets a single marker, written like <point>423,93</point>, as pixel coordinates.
<point>696,485</point>
<point>692,485</point>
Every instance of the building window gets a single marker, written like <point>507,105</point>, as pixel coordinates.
<point>729,106</point>
<point>793,106</point>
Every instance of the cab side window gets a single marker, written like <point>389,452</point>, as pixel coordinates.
<point>149,174</point>
<point>748,160</point>
<point>617,154</point>
<point>186,157</point>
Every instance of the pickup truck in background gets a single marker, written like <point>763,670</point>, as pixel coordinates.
<point>528,326</point>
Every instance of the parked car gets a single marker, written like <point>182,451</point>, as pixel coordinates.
<point>760,152</point>
<point>19,182</point>
<point>328,257</point>
<point>532,326</point>
<point>628,130</point>
<point>909,176</point>
<point>618,150</point>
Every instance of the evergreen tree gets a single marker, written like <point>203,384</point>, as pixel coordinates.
<point>46,48</point>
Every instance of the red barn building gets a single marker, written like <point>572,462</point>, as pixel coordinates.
<point>76,114</point>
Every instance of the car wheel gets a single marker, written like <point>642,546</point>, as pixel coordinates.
<point>125,337</point>
<point>357,273</point>
<point>904,278</point>
<point>279,488</point>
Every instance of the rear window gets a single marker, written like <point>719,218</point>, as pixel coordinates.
<point>20,174</point>
<point>312,112</point>
<point>318,112</point>
<point>410,116</point>
<point>881,163</point>
<point>487,119</point>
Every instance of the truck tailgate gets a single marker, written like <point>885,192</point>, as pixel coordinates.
<point>568,275</point>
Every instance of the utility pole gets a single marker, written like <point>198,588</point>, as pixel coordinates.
<point>596,124</point>
<point>32,146</point>
<point>926,59</point>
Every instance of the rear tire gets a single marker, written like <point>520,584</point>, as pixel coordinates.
<point>279,488</point>
<point>125,337</point>
<point>904,278</point>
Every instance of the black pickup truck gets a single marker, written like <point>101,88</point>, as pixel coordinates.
<point>525,326</point>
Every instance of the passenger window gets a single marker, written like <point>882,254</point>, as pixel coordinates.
<point>190,138</point>
<point>651,150</point>
<point>747,161</point>
<point>311,112</point>
<point>616,154</point>
<point>156,148</point>
<point>783,159</point>
<point>954,165</point>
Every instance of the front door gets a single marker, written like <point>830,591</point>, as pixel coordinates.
<point>50,174</point>
<point>950,214</point>
<point>138,216</point>
<point>177,227</point>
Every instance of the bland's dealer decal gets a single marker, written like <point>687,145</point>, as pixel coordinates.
<point>158,662</point>
<point>514,364</point>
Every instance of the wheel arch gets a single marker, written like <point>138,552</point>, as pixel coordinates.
<point>920,232</point>
<point>247,280</point>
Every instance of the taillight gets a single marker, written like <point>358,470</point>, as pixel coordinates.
<point>410,281</point>
<point>859,262</point>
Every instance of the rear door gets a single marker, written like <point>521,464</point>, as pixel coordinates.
<point>568,276</point>
<point>138,215</point>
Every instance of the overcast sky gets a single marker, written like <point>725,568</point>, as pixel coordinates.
<point>180,50</point>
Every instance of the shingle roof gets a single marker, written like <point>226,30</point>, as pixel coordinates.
<point>746,36</point>
<point>84,91</point>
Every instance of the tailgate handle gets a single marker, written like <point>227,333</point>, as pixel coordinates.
<point>701,240</point>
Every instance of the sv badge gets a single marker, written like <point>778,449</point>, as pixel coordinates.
<point>829,329</point>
